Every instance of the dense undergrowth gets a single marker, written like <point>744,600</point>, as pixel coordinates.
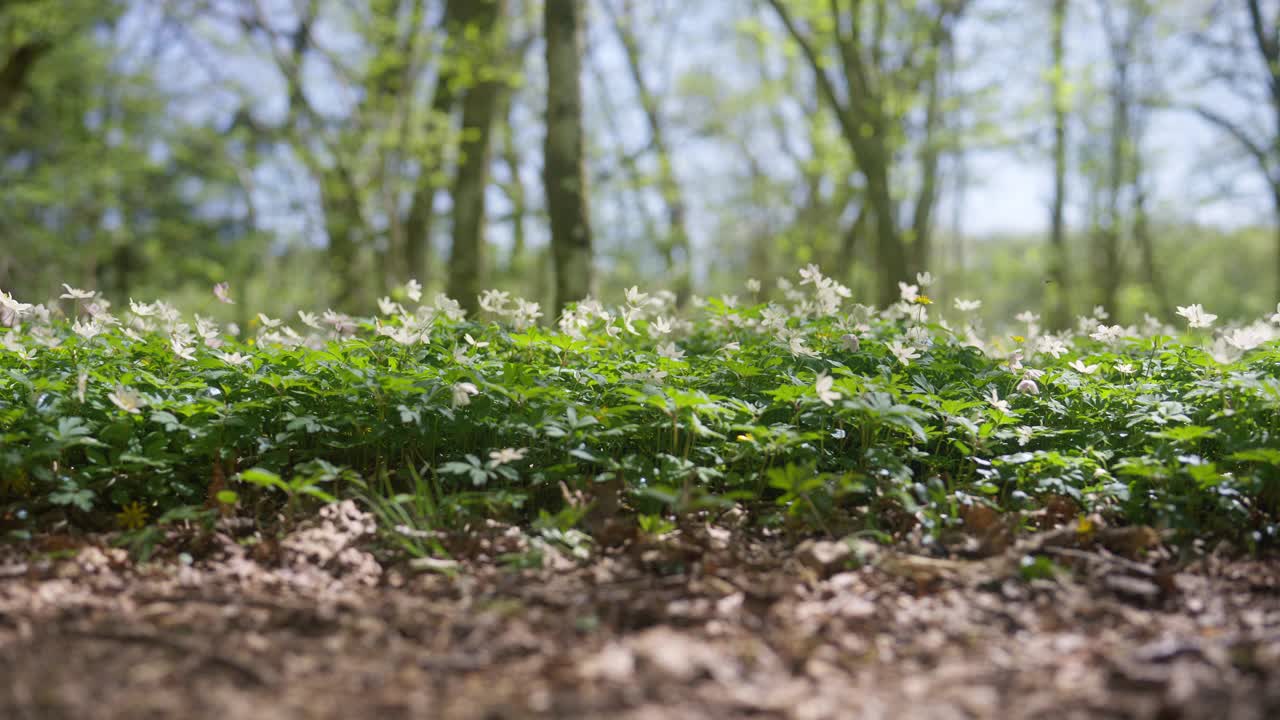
<point>810,412</point>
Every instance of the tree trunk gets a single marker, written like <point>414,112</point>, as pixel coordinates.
<point>394,80</point>
<point>479,103</point>
<point>1059,283</point>
<point>849,245</point>
<point>514,188</point>
<point>1107,258</point>
<point>564,175</point>
<point>342,224</point>
<point>419,220</point>
<point>890,251</point>
<point>1275,200</point>
<point>1142,238</point>
<point>922,217</point>
<point>676,245</point>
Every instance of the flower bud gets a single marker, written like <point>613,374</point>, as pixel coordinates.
<point>1028,387</point>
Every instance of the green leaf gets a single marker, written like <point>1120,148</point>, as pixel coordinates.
<point>265,479</point>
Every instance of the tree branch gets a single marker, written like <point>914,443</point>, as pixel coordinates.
<point>1249,144</point>
<point>825,85</point>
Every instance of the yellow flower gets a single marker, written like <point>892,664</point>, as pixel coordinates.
<point>923,300</point>
<point>1085,526</point>
<point>746,437</point>
<point>1019,339</point>
<point>132,516</point>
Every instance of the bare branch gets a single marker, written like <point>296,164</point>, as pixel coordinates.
<point>1242,138</point>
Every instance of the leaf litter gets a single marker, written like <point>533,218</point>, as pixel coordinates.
<point>704,621</point>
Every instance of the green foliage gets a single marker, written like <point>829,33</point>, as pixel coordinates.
<point>434,420</point>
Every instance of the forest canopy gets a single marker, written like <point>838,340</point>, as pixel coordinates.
<point>1055,155</point>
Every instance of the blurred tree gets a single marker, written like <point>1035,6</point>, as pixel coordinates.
<point>563,174</point>
<point>1059,287</point>
<point>873,63</point>
<point>102,187</point>
<point>1240,44</point>
<point>485,29</point>
<point>674,244</point>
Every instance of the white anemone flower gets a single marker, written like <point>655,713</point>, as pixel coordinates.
<point>310,320</point>
<point>221,291</point>
<point>462,393</point>
<point>387,306</point>
<point>670,351</point>
<point>87,330</point>
<point>143,309</point>
<point>1196,316</point>
<point>506,456</point>
<point>823,387</point>
<point>7,302</point>
<point>1051,345</point>
<point>127,399</point>
<point>1001,405</point>
<point>181,349</point>
<point>1108,333</point>
<point>810,273</point>
<point>904,353</point>
<point>660,326</point>
<point>234,358</point>
<point>1024,434</point>
<point>798,349</point>
<point>635,298</point>
<point>1248,338</point>
<point>495,301</point>
<point>1080,367</point>
<point>966,305</point>
<point>76,293</point>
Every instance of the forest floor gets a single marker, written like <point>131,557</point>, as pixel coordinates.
<point>706,622</point>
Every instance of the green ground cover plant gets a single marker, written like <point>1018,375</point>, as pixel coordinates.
<point>807,411</point>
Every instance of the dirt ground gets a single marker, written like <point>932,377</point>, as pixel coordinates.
<point>704,623</point>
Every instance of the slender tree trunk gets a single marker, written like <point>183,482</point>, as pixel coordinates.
<point>890,250</point>
<point>514,188</point>
<point>564,174</point>
<point>922,217</point>
<point>676,248</point>
<point>1059,283</point>
<point>1107,260</point>
<point>396,84</point>
<point>1142,238</point>
<point>1275,201</point>
<point>342,222</point>
<point>479,105</point>
<point>849,245</point>
<point>419,220</point>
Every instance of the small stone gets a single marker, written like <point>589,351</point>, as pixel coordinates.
<point>824,555</point>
